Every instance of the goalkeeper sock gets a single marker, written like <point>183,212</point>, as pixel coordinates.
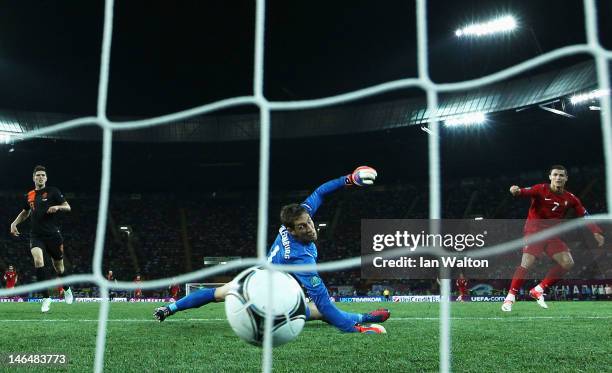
<point>41,275</point>
<point>355,317</point>
<point>194,300</point>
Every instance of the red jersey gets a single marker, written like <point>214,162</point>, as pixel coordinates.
<point>138,291</point>
<point>10,277</point>
<point>546,204</point>
<point>462,283</point>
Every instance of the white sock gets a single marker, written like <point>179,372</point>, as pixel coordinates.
<point>539,288</point>
<point>511,297</point>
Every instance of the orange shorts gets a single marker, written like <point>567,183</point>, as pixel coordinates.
<point>550,247</point>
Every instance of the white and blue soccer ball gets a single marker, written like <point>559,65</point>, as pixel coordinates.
<point>246,306</point>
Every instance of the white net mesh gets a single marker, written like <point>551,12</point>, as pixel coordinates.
<point>423,81</point>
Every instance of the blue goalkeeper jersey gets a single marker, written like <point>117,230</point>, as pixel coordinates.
<point>287,250</point>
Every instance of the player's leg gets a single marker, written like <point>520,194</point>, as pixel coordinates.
<point>59,270</point>
<point>41,275</point>
<point>55,248</point>
<point>194,300</point>
<point>565,262</point>
<point>527,261</point>
<point>379,315</point>
<point>312,312</point>
<point>559,252</point>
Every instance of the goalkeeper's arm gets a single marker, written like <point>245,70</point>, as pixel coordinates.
<point>362,176</point>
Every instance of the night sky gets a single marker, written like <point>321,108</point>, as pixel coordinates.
<point>170,56</point>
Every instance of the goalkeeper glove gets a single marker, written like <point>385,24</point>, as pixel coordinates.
<point>363,175</point>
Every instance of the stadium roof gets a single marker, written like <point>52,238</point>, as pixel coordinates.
<point>167,57</point>
<point>515,94</point>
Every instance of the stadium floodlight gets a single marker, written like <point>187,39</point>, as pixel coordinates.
<point>498,25</point>
<point>10,127</point>
<point>594,108</point>
<point>586,97</point>
<point>478,218</point>
<point>466,120</point>
<point>322,224</point>
<point>5,137</point>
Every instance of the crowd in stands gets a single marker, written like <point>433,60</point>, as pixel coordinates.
<point>164,235</point>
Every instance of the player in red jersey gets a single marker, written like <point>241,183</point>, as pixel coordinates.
<point>548,201</point>
<point>462,283</point>
<point>10,277</point>
<point>138,291</point>
<point>174,290</point>
<point>111,278</point>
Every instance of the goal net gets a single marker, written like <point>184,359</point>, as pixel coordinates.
<point>266,107</point>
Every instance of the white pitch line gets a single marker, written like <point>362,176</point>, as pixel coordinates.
<point>508,318</point>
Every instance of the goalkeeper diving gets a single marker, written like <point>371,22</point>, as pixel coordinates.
<point>295,244</point>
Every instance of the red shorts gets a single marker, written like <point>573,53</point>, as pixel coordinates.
<point>550,247</point>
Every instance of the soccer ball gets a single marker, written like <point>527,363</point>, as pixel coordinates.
<point>245,306</point>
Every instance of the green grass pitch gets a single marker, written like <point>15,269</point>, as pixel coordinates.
<point>568,337</point>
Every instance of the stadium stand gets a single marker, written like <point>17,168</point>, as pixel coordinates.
<point>168,235</point>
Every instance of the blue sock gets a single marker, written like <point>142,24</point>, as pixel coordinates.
<point>194,300</point>
<point>355,317</point>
